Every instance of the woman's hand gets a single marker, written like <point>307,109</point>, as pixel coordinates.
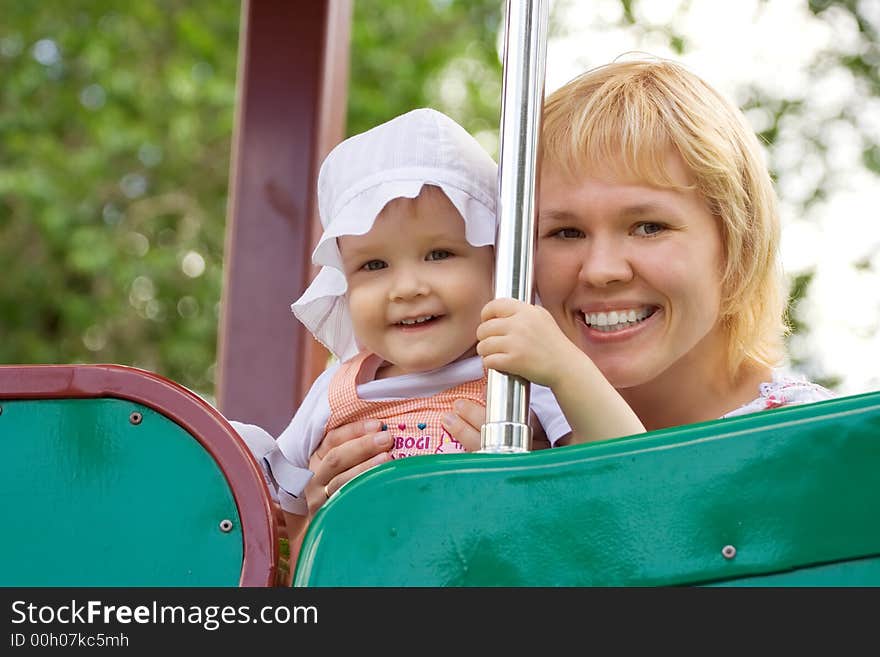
<point>468,417</point>
<point>344,453</point>
<point>464,423</point>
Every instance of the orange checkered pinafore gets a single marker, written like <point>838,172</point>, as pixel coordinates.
<point>414,423</point>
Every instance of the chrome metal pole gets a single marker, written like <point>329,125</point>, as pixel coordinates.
<point>525,49</point>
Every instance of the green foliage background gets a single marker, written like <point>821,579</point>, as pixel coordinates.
<point>115,122</point>
<point>115,128</point>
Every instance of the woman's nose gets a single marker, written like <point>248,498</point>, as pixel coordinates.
<point>605,264</point>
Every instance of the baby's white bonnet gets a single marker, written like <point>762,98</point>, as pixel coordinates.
<point>366,171</point>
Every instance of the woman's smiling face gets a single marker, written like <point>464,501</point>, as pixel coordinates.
<point>631,272</point>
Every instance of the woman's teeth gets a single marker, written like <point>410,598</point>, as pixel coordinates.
<point>616,320</point>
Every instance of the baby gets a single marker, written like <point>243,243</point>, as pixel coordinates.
<point>407,262</point>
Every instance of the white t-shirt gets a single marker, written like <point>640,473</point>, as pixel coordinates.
<point>785,389</point>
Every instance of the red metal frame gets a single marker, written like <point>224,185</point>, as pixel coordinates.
<point>259,527</point>
<point>291,110</point>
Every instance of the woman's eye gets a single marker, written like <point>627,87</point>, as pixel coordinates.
<point>373,265</point>
<point>648,229</point>
<point>438,254</point>
<point>568,233</point>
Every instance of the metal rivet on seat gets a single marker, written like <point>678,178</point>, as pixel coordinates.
<point>135,417</point>
<point>728,552</point>
<point>226,525</point>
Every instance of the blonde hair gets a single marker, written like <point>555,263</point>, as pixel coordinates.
<point>624,117</point>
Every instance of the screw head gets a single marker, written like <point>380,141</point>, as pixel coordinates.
<point>226,525</point>
<point>135,417</point>
<point>728,552</point>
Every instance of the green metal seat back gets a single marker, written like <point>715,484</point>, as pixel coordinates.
<point>787,496</point>
<point>113,476</point>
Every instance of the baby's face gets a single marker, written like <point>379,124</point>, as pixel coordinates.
<point>415,285</point>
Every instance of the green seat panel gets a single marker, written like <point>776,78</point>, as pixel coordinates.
<point>100,490</point>
<point>793,490</point>
<point>854,572</point>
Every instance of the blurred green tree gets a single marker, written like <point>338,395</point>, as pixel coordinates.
<point>115,130</point>
<point>115,123</point>
<point>442,53</point>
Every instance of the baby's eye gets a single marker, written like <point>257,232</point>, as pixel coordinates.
<point>374,265</point>
<point>648,229</point>
<point>438,254</point>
